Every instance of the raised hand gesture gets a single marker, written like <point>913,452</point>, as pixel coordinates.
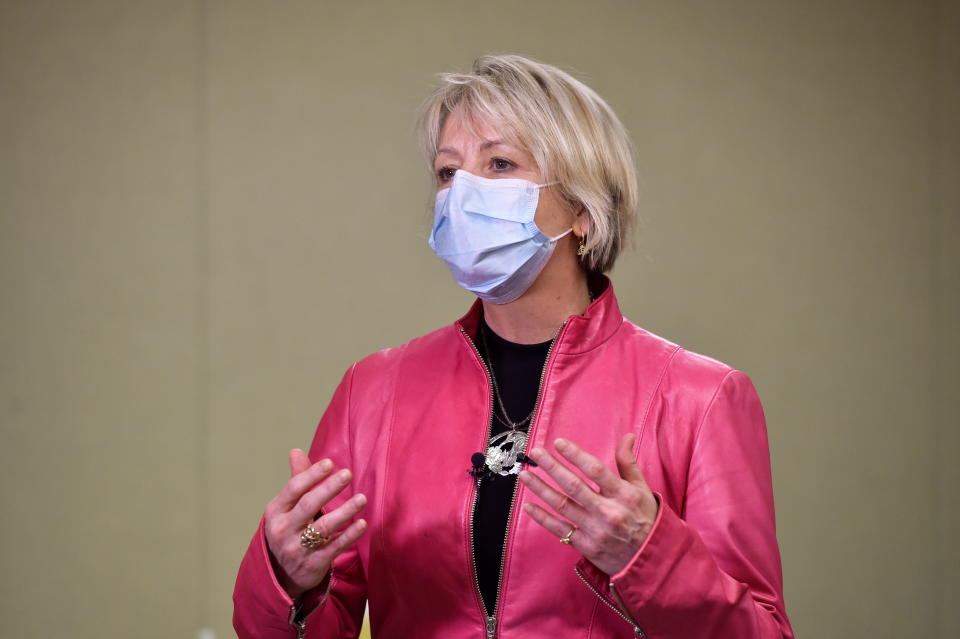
<point>302,556</point>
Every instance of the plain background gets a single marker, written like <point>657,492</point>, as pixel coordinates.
<point>210,209</point>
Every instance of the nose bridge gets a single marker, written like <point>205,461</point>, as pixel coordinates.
<point>473,160</point>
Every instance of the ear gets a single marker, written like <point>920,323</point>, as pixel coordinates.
<point>581,224</point>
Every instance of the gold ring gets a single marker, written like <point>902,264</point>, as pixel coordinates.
<point>566,538</point>
<point>311,538</point>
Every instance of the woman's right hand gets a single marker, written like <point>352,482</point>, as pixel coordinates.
<point>310,487</point>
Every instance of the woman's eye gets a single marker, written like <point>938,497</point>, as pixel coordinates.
<point>500,164</point>
<point>446,173</point>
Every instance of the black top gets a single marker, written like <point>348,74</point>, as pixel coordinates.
<point>517,369</point>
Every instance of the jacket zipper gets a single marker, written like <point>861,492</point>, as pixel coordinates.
<point>491,620</point>
<point>301,624</point>
<point>619,609</point>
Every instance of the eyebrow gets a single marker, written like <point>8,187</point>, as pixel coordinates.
<point>483,147</point>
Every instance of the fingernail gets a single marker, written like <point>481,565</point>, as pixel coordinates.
<point>524,475</point>
<point>560,443</point>
<point>537,452</point>
<point>343,474</point>
<point>360,499</point>
<point>326,465</point>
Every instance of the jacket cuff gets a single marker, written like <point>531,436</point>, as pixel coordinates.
<point>669,583</point>
<point>263,598</point>
<point>261,605</point>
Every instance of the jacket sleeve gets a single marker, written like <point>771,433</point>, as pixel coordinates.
<point>713,570</point>
<point>262,609</point>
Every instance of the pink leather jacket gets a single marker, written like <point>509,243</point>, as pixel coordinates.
<point>407,419</point>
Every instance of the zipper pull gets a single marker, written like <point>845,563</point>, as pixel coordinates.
<point>637,632</point>
<point>491,626</point>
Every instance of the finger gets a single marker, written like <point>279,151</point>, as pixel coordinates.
<point>299,462</point>
<point>556,527</point>
<point>345,539</point>
<point>563,505</point>
<point>339,517</point>
<point>297,485</point>
<point>596,470</point>
<point>626,462</point>
<point>566,479</point>
<point>316,498</point>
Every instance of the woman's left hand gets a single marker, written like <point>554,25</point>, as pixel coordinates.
<point>610,525</point>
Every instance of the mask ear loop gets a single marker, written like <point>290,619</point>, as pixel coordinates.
<point>569,230</point>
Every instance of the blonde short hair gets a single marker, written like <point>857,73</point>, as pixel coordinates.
<point>571,132</point>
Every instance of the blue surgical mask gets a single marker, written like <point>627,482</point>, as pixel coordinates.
<point>484,230</point>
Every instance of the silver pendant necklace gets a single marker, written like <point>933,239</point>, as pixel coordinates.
<point>504,450</point>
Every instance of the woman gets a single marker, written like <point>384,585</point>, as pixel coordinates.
<point>625,486</point>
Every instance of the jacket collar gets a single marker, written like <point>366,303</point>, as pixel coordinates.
<point>582,333</point>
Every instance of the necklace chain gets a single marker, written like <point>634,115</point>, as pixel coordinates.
<point>505,420</point>
<point>505,451</point>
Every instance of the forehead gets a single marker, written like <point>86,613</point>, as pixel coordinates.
<point>467,129</point>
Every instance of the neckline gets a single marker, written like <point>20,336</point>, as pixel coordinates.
<point>582,333</point>
<point>504,343</point>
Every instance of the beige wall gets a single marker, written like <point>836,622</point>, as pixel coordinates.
<point>208,210</point>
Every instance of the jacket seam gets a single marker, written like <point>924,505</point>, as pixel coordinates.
<point>656,389</point>
<point>706,412</point>
<point>696,438</point>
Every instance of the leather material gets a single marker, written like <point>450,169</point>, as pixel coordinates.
<point>407,419</point>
